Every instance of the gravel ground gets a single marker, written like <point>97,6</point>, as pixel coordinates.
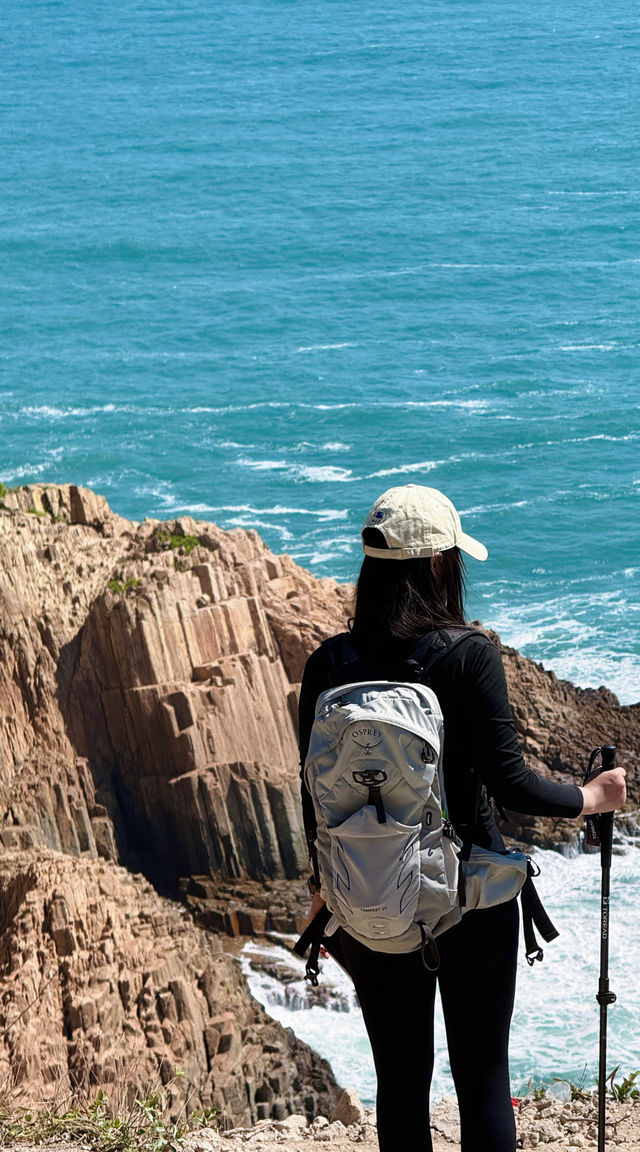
<point>555,1124</point>
<point>551,1123</point>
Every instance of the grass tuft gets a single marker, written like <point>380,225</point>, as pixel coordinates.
<point>144,1126</point>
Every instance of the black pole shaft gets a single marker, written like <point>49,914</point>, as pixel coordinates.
<point>605,997</point>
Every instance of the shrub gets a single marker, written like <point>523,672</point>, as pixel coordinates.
<point>120,588</point>
<point>182,544</point>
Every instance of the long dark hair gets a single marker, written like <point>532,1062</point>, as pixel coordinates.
<point>399,600</point>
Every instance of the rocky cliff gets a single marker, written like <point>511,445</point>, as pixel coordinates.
<point>105,983</point>
<point>148,684</point>
<point>148,678</point>
<point>147,692</point>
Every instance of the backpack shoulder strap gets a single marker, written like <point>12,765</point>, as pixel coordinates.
<point>341,655</point>
<point>435,646</point>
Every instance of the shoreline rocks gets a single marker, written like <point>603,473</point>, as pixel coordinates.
<point>148,685</point>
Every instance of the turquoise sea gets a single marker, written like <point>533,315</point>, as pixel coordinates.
<point>261,260</point>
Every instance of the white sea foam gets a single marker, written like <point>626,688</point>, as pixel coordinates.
<point>573,635</point>
<point>556,1016</point>
<point>280,510</point>
<point>326,347</point>
<point>594,347</point>
<point>501,505</point>
<point>423,466</point>
<point>325,474</point>
<point>262,465</point>
<point>280,529</point>
<point>471,405</point>
<point>25,471</point>
<point>610,192</point>
<point>53,413</point>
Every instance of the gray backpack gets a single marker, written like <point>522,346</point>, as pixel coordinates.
<point>392,871</point>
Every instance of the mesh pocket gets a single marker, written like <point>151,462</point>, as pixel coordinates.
<point>375,874</point>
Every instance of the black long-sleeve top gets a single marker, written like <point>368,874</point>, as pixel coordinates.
<point>482,755</point>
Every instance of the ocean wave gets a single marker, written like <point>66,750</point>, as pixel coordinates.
<point>262,465</point>
<point>609,192</point>
<point>471,405</point>
<point>423,466</point>
<point>325,473</point>
<point>325,347</point>
<point>575,646</point>
<point>595,347</point>
<point>279,510</point>
<point>315,473</point>
<point>54,413</point>
<point>500,505</point>
<point>246,523</point>
<point>25,471</point>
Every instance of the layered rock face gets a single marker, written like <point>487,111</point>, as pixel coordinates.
<point>148,684</point>
<point>159,666</point>
<point>559,725</point>
<point>106,983</point>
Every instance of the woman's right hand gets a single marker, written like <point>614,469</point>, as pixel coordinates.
<point>605,792</point>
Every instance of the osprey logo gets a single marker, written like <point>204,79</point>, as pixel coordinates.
<point>371,778</point>
<point>367,739</point>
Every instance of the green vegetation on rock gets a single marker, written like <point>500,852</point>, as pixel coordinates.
<point>144,1126</point>
<point>182,544</point>
<point>120,588</point>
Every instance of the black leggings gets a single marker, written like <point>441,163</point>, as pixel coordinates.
<point>477,978</point>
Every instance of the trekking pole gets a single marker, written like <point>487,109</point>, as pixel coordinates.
<point>600,831</point>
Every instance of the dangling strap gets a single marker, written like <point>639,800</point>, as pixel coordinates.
<point>375,799</point>
<point>429,950</point>
<point>312,836</point>
<point>312,937</point>
<point>533,914</point>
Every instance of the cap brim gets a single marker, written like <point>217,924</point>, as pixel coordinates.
<point>472,547</point>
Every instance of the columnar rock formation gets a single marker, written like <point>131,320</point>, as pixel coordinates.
<point>147,689</point>
<point>148,684</point>
<point>151,671</point>
<point>106,983</point>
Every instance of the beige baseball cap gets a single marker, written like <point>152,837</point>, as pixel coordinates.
<point>417,521</point>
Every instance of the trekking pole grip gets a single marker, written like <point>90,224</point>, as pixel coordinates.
<point>606,818</point>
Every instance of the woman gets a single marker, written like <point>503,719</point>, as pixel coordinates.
<point>412,582</point>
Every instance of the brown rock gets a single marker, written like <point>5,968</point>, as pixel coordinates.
<point>104,981</point>
<point>148,695</point>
